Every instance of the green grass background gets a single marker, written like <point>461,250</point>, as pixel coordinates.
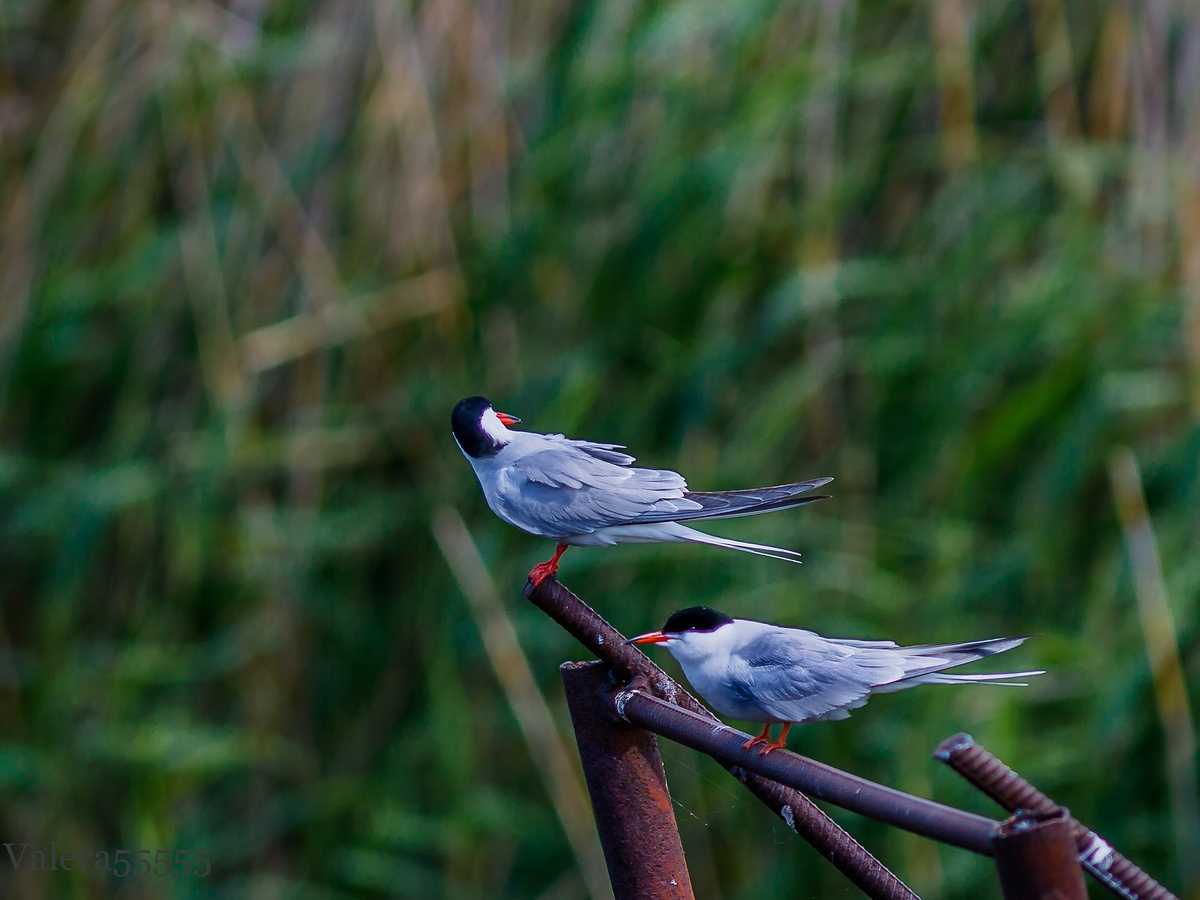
<point>251,253</point>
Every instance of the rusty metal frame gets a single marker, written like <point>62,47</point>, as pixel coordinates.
<point>875,801</point>
<point>988,774</point>
<point>632,667</point>
<point>628,787</point>
<point>626,692</point>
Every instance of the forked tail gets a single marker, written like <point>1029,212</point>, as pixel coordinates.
<point>683,533</point>
<point>928,663</point>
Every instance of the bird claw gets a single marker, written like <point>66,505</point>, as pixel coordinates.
<point>761,738</point>
<point>769,746</point>
<point>542,571</point>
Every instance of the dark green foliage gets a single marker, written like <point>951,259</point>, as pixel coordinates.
<point>753,241</point>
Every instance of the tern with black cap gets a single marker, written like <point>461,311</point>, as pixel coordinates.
<point>586,494</point>
<point>757,672</point>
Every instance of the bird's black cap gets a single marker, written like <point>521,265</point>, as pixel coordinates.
<point>695,618</point>
<point>464,422</point>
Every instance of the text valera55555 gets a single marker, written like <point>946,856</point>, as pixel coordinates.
<point>121,863</point>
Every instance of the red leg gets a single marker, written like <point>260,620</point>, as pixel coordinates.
<point>761,739</point>
<point>541,570</point>
<point>778,744</point>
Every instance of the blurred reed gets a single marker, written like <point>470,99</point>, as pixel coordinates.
<point>546,747</point>
<point>1166,669</point>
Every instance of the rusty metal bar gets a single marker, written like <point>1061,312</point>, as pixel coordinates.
<point>595,633</point>
<point>630,799</point>
<point>1012,792</point>
<point>1036,858</point>
<point>875,801</point>
<point>799,813</point>
<point>829,838</point>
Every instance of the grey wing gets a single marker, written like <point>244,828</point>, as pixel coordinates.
<point>610,453</point>
<point>577,487</point>
<point>796,675</point>
<point>865,645</point>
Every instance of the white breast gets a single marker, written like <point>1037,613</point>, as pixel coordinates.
<point>708,664</point>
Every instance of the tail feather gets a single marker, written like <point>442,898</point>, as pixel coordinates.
<point>683,533</point>
<point>968,650</point>
<point>927,664</point>
<point>997,678</point>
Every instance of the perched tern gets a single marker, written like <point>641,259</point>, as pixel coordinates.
<point>588,495</point>
<point>758,672</point>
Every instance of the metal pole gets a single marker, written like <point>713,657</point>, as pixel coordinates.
<point>797,811</point>
<point>1036,858</point>
<point>883,804</point>
<point>1013,792</point>
<point>628,787</point>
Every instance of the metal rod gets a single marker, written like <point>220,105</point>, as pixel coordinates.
<point>1012,792</point>
<point>829,838</point>
<point>595,633</point>
<point>883,804</point>
<point>1036,858</point>
<point>630,799</point>
<point>799,813</point>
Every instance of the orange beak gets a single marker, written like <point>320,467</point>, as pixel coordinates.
<point>650,637</point>
<point>506,419</point>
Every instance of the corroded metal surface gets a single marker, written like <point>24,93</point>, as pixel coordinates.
<point>1036,858</point>
<point>630,799</point>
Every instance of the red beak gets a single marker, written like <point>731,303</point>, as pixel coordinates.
<point>506,419</point>
<point>650,637</point>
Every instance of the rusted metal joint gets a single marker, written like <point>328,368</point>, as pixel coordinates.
<point>617,700</point>
<point>617,693</point>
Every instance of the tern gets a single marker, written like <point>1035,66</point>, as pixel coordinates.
<point>585,494</point>
<point>759,672</point>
